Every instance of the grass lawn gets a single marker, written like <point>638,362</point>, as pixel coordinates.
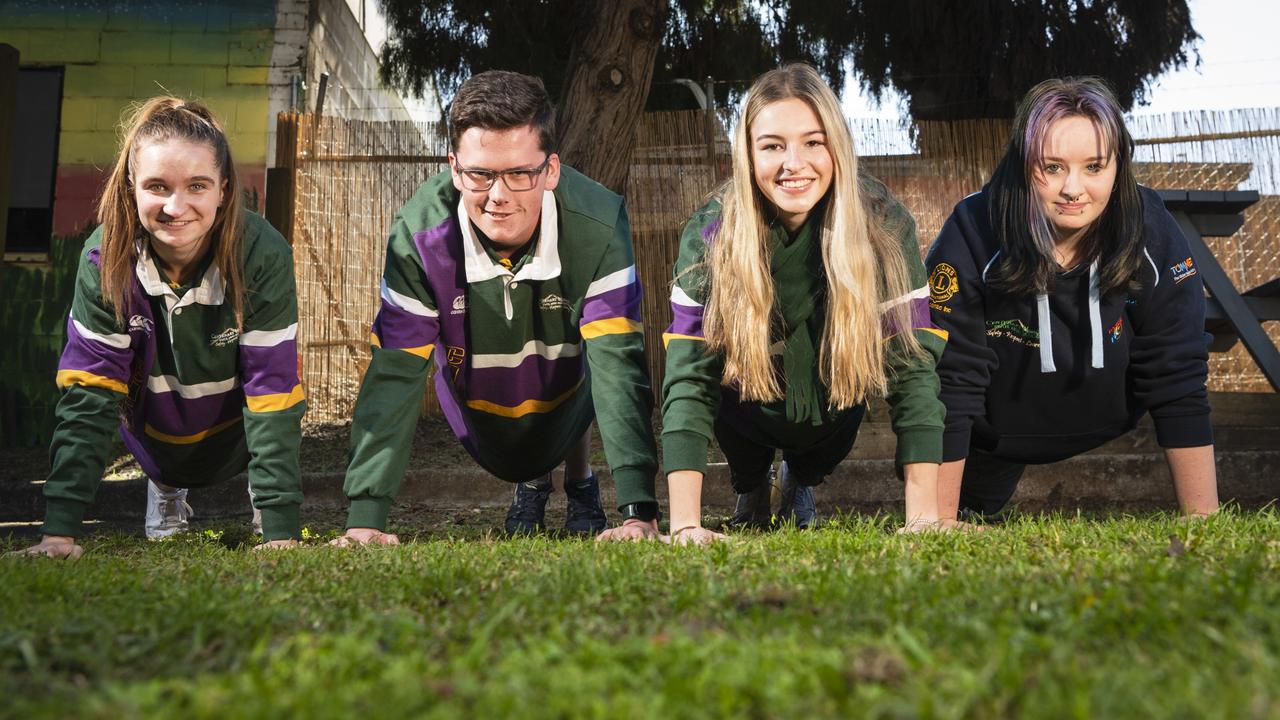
<point>1041,617</point>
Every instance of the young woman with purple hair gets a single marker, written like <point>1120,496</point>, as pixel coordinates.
<point>1072,306</point>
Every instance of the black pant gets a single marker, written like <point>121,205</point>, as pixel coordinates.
<point>749,458</point>
<point>988,483</point>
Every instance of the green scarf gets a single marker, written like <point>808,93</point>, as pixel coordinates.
<point>799,287</point>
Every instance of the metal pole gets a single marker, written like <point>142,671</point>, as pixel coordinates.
<point>710,115</point>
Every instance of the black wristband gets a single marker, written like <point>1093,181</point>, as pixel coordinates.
<point>646,511</point>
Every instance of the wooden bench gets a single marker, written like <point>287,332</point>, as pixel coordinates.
<point>1229,315</point>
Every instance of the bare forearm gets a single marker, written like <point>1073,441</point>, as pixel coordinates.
<point>684,488</point>
<point>950,475</point>
<point>1195,479</point>
<point>921,492</point>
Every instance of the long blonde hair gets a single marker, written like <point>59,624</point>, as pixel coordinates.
<point>158,120</point>
<point>863,263</point>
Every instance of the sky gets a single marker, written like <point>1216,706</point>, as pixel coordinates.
<point>1239,64</point>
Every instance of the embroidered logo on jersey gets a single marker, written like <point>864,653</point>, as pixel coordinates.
<point>942,283</point>
<point>1114,332</point>
<point>224,338</point>
<point>1183,270</point>
<point>459,305</point>
<point>141,324</point>
<point>455,357</point>
<point>553,302</point>
<point>1013,330</point>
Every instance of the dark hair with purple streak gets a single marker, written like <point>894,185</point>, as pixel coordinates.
<point>1027,264</point>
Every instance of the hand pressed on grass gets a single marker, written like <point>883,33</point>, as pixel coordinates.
<point>364,536</point>
<point>696,535</point>
<point>633,530</point>
<point>54,546</point>
<point>943,525</point>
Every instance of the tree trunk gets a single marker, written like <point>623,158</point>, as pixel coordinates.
<point>605,86</point>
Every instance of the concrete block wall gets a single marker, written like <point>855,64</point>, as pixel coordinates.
<point>116,54</point>
<point>339,46</point>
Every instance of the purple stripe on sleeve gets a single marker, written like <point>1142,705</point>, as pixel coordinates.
<point>399,329</point>
<point>537,378</point>
<point>710,231</point>
<point>685,320</point>
<point>621,302</point>
<point>173,414</point>
<point>920,318</point>
<point>269,370</point>
<point>440,250</point>
<point>447,396</point>
<point>94,357</point>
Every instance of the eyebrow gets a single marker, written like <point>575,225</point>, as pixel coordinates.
<point>1095,158</point>
<point>779,137</point>
<point>190,179</point>
<point>523,168</point>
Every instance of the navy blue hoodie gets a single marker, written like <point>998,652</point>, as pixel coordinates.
<point>1105,359</point>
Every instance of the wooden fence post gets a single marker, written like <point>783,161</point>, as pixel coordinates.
<point>282,179</point>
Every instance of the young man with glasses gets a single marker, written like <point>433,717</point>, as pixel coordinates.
<point>514,276</point>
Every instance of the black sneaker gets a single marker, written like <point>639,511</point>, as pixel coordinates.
<point>797,504</point>
<point>529,507</point>
<point>585,515</point>
<point>751,512</point>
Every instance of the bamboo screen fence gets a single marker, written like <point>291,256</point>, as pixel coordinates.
<point>350,177</point>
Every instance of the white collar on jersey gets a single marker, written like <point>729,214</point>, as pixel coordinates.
<point>210,291</point>
<point>545,263</point>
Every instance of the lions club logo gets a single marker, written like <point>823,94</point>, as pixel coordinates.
<point>942,283</point>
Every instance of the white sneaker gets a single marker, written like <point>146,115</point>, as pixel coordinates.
<point>167,511</point>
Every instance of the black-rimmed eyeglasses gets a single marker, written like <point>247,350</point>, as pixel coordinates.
<point>516,180</point>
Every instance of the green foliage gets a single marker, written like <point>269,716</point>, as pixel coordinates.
<point>34,303</point>
<point>949,59</point>
<point>1055,617</point>
<point>977,58</point>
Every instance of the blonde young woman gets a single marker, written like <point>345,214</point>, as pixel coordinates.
<point>798,294</point>
<point>181,334</point>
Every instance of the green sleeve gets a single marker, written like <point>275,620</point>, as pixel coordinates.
<point>382,428</point>
<point>93,374</point>
<point>691,387</point>
<point>915,412</point>
<point>87,418</point>
<point>273,392</point>
<point>620,389</point>
<point>387,409</point>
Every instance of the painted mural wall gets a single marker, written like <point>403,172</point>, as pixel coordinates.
<point>116,53</point>
<point>112,55</point>
<point>247,59</point>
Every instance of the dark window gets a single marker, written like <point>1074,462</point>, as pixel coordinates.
<point>34,159</point>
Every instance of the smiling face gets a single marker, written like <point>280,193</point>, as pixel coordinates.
<point>1075,177</point>
<point>507,217</point>
<point>178,189</point>
<point>790,161</point>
